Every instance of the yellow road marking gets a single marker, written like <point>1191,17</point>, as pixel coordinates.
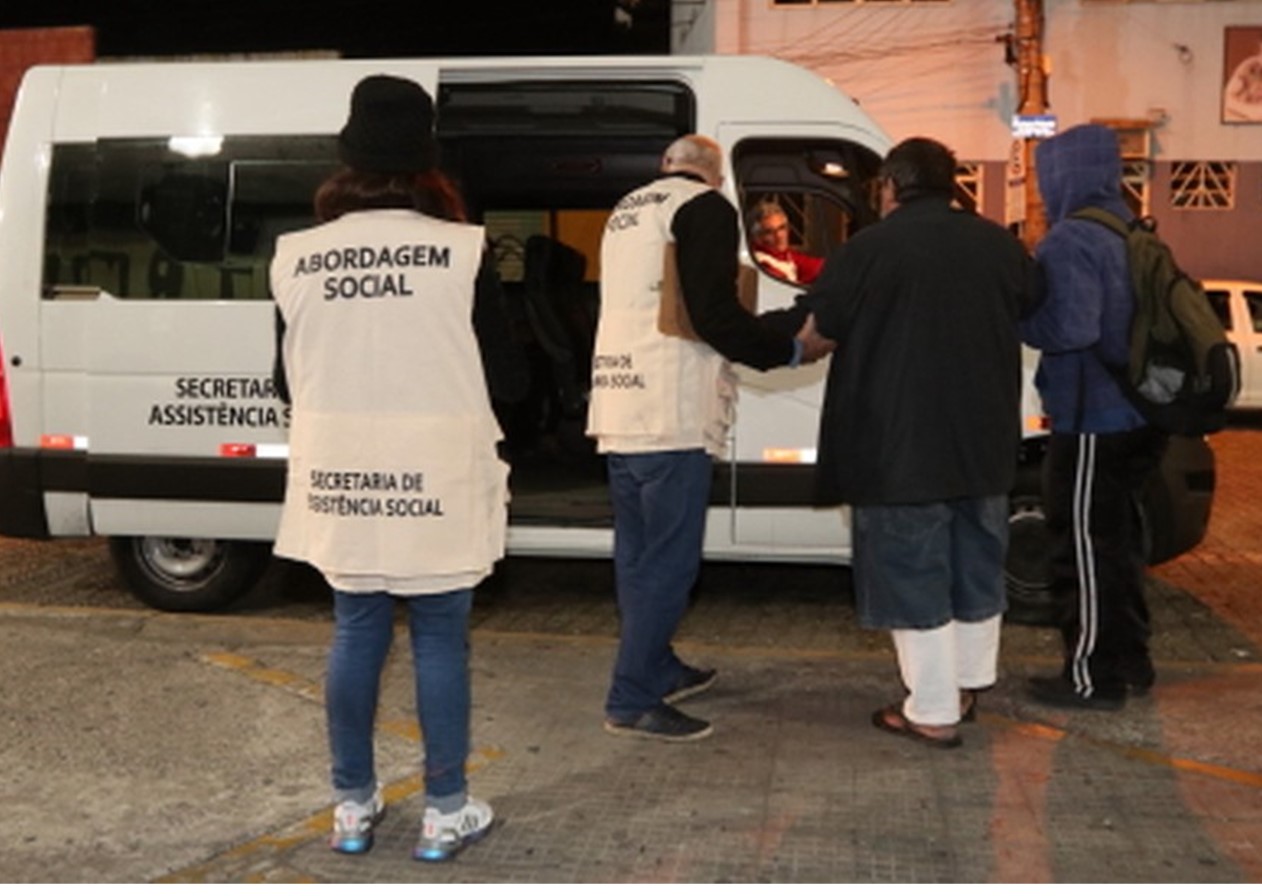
<point>269,675</point>
<point>274,844</point>
<point>1139,754</point>
<point>1029,729</point>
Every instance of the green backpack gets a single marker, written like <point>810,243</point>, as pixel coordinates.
<point>1183,373</point>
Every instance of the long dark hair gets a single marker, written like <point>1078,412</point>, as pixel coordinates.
<point>430,193</point>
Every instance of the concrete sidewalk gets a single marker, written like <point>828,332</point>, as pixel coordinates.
<point>147,747</point>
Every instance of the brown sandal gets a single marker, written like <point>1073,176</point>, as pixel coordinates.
<point>891,719</point>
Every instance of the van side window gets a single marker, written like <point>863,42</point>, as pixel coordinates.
<point>177,218</point>
<point>801,199</point>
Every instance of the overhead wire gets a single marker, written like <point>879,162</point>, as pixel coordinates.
<point>875,34</point>
<point>856,47</point>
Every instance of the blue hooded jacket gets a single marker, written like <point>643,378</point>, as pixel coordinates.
<point>1083,317</point>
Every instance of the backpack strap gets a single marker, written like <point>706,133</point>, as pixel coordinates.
<point>1106,218</point>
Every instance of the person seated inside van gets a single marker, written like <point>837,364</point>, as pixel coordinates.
<point>769,230</point>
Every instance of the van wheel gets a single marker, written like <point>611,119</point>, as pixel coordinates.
<point>1028,570</point>
<point>188,574</point>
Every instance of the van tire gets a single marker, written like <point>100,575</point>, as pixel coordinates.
<point>1028,568</point>
<point>191,575</point>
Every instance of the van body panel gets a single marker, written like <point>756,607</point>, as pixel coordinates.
<point>777,423</point>
<point>23,182</point>
<point>556,541</point>
<point>767,544</point>
<point>194,99</point>
<point>192,519</point>
<point>67,513</point>
<point>778,533</point>
<point>203,377</point>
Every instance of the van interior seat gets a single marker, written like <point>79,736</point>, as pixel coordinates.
<point>556,307</point>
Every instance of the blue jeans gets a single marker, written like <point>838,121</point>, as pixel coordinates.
<point>439,628</point>
<point>920,566</point>
<point>659,504</point>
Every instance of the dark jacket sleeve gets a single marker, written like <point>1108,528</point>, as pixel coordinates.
<point>503,359</point>
<point>707,237</point>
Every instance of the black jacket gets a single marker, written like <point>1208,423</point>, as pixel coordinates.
<point>923,396</point>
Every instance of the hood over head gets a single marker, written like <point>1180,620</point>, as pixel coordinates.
<point>1079,167</point>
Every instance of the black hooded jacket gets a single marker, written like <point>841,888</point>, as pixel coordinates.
<point>923,397</point>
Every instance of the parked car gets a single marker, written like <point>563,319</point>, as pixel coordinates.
<point>1239,306</point>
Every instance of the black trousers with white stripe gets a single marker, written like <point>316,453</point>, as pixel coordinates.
<point>1092,488</point>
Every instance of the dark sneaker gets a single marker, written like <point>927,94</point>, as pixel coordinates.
<point>692,682</point>
<point>1059,692</point>
<point>662,723</point>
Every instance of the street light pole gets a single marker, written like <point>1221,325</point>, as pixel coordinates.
<point>1032,96</point>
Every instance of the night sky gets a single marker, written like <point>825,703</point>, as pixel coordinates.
<point>355,28</point>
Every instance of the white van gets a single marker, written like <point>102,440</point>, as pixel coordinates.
<point>139,206</point>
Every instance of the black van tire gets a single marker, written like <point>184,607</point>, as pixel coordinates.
<point>194,575</point>
<point>1028,571</point>
<point>1028,568</point>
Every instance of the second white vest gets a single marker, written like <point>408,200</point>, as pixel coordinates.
<point>650,391</point>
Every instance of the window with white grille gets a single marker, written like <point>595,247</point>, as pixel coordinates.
<point>968,181</point>
<point>1203,185</point>
<point>1136,178</point>
<point>1134,139</point>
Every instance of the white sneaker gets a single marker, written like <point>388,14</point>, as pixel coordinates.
<point>444,835</point>
<point>353,824</point>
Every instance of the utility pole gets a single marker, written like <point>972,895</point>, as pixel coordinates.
<point>1032,98</point>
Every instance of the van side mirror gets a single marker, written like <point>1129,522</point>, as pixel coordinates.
<point>186,214</point>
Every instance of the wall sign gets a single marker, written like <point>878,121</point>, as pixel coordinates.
<point>1242,75</point>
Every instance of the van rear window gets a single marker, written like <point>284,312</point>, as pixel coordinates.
<point>177,218</point>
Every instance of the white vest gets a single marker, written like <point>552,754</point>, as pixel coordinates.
<point>651,392</point>
<point>393,483</point>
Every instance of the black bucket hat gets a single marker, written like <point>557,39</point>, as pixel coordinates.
<point>391,127</point>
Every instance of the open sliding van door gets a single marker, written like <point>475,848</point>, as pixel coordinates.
<point>824,179</point>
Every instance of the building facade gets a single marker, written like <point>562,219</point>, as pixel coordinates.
<point>1180,81</point>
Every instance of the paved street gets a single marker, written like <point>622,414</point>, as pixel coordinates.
<point>141,746</point>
